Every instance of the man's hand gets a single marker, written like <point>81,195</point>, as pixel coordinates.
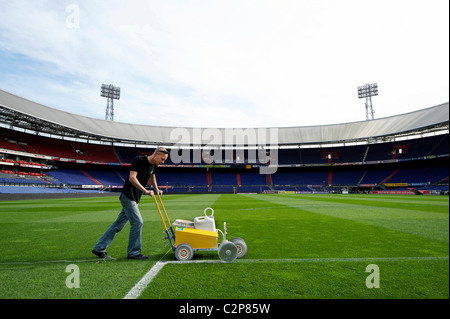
<point>160,192</point>
<point>149,192</point>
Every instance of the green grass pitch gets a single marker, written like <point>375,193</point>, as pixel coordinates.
<point>299,247</point>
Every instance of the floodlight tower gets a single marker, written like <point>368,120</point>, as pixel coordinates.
<point>367,91</point>
<point>111,93</point>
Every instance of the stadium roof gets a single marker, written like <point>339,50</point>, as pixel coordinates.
<point>22,114</point>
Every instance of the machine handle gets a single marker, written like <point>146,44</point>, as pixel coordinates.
<point>204,212</point>
<point>163,208</point>
<point>160,215</point>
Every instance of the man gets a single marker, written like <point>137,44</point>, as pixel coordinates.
<point>142,171</point>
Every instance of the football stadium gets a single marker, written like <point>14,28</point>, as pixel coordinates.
<point>355,210</point>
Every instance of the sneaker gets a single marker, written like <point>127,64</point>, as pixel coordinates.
<point>101,255</point>
<point>140,256</point>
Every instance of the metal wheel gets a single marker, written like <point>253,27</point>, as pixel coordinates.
<point>240,245</point>
<point>184,252</point>
<point>228,252</point>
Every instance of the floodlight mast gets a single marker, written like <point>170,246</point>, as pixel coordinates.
<point>111,93</point>
<point>367,91</point>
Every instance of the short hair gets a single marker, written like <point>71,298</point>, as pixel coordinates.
<point>162,150</point>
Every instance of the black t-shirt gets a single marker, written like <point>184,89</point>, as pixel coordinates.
<point>144,170</point>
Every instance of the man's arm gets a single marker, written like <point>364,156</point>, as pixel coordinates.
<point>133,179</point>
<point>155,184</point>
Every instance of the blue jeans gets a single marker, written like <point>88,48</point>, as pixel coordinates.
<point>129,212</point>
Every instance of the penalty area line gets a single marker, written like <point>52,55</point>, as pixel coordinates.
<point>331,260</point>
<point>136,291</point>
<point>63,261</point>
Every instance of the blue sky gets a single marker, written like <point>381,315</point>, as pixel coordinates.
<point>246,63</point>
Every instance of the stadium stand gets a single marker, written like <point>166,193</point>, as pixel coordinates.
<point>40,152</point>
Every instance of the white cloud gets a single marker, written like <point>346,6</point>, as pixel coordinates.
<point>228,63</point>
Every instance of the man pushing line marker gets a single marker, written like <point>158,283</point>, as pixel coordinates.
<point>142,171</point>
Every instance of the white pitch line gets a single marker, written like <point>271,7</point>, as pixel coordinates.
<point>56,261</point>
<point>325,260</point>
<point>136,291</point>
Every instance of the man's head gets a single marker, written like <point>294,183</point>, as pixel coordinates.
<point>159,156</point>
